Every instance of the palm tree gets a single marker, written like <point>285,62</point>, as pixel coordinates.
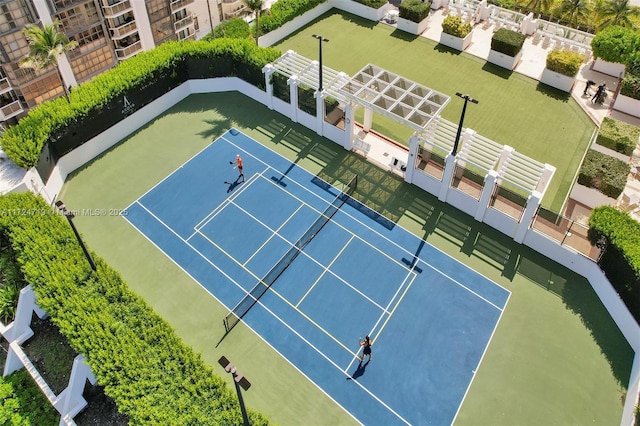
<point>256,7</point>
<point>45,45</point>
<point>574,11</point>
<point>618,12</point>
<point>539,6</point>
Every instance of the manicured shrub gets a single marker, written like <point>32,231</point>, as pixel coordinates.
<point>618,135</point>
<point>23,403</point>
<point>564,62</point>
<point>284,11</point>
<point>153,377</point>
<point>414,10</point>
<point>376,4</point>
<point>233,28</point>
<point>616,44</point>
<point>453,25</point>
<point>621,259</point>
<point>630,86</point>
<point>168,65</point>
<point>604,173</point>
<point>507,41</point>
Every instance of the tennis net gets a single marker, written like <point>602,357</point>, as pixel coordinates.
<point>274,273</point>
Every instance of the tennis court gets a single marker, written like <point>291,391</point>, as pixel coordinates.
<point>430,317</point>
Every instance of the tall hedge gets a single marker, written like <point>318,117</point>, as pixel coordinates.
<point>23,142</point>
<point>616,44</point>
<point>284,11</point>
<point>376,4</point>
<point>604,173</point>
<point>143,365</point>
<point>621,259</point>
<point>618,135</point>
<point>507,41</point>
<point>414,10</point>
<point>564,62</point>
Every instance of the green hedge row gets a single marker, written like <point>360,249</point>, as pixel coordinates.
<point>242,58</point>
<point>284,11</point>
<point>376,4</point>
<point>233,28</point>
<point>604,173</point>
<point>414,10</point>
<point>564,62</point>
<point>631,86</point>
<point>454,26</point>
<point>618,135</point>
<point>507,41</point>
<point>616,44</point>
<point>143,365</point>
<point>621,259</point>
<point>23,403</point>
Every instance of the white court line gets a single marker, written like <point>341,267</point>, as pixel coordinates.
<point>475,372</point>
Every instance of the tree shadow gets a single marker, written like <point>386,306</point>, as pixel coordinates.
<point>497,70</point>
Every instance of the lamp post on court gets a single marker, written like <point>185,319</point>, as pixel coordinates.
<point>320,41</point>
<point>466,98</point>
<point>69,215</point>
<point>240,381</point>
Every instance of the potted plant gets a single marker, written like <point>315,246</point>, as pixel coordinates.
<point>506,48</point>
<point>561,69</point>
<point>413,16</point>
<point>628,100</point>
<point>614,47</point>
<point>455,34</point>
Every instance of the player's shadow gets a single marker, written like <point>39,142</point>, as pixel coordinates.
<point>232,185</point>
<point>359,370</point>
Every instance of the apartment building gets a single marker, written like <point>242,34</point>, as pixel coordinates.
<point>107,31</point>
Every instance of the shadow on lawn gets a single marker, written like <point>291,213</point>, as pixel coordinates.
<point>552,92</point>
<point>497,70</point>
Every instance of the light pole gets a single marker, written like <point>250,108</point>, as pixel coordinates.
<point>240,381</point>
<point>69,215</point>
<point>466,98</point>
<point>320,41</point>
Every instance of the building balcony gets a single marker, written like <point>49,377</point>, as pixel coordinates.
<point>177,5</point>
<point>124,30</point>
<point>189,35</point>
<point>117,9</point>
<point>184,22</point>
<point>231,6</point>
<point>5,86</point>
<point>129,51</point>
<point>10,110</point>
<point>234,13</point>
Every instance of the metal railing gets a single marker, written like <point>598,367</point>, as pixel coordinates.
<point>116,9</point>
<point>186,21</point>
<point>129,51</point>
<point>124,30</point>
<point>10,110</point>
<point>179,4</point>
<point>567,232</point>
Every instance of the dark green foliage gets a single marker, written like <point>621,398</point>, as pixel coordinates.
<point>153,377</point>
<point>604,173</point>
<point>165,66</point>
<point>281,88</point>
<point>507,41</point>
<point>23,403</point>
<point>453,25</point>
<point>621,260</point>
<point>616,44</point>
<point>631,86</point>
<point>564,62</point>
<point>306,100</point>
<point>376,4</point>
<point>284,11</point>
<point>233,28</point>
<point>414,10</point>
<point>618,135</point>
<point>11,281</point>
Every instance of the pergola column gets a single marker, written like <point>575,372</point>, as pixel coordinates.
<point>447,176</point>
<point>414,145</point>
<point>368,119</point>
<point>545,178</point>
<point>533,203</point>
<point>268,71</point>
<point>319,112</point>
<point>490,182</point>
<point>293,94</point>
<point>349,121</point>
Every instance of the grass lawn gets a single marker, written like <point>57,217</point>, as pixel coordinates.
<point>540,122</point>
<point>556,358</point>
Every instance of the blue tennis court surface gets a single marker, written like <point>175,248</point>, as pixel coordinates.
<point>430,317</point>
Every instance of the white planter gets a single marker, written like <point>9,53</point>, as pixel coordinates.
<point>627,105</point>
<point>609,68</point>
<point>557,80</point>
<point>413,27</point>
<point>504,61</point>
<point>360,9</point>
<point>456,42</point>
